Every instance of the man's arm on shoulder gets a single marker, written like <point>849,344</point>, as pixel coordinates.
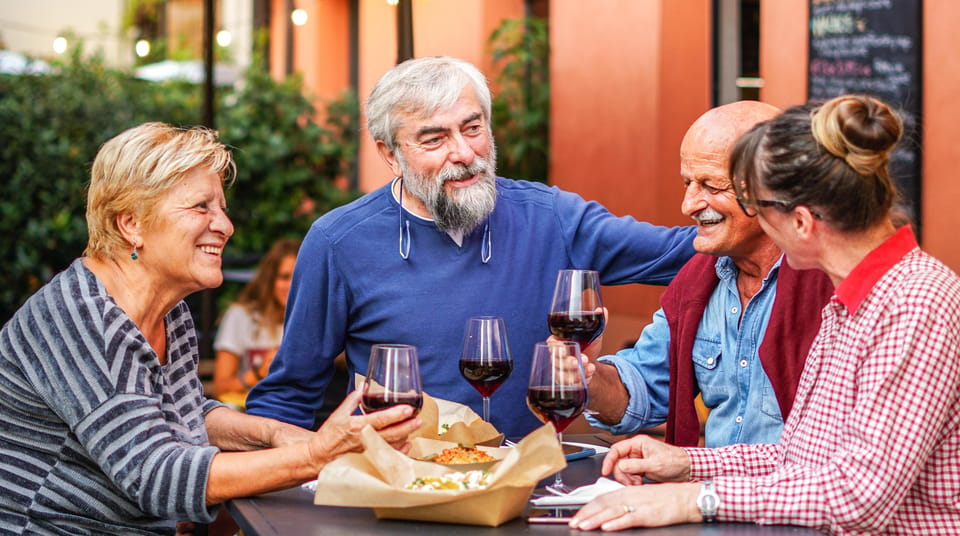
<point>623,249</point>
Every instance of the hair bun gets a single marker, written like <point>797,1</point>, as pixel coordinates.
<point>860,129</point>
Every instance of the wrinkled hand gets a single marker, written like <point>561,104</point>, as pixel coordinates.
<point>341,431</point>
<point>653,505</point>
<point>642,456</point>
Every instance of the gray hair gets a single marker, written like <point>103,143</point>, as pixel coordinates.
<point>420,87</point>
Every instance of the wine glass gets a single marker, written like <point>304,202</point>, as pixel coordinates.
<point>558,389</point>
<point>486,361</point>
<point>393,377</point>
<point>576,312</point>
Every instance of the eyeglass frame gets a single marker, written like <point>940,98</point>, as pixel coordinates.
<point>768,203</point>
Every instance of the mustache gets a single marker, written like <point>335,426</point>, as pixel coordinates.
<point>706,215</point>
<point>458,172</point>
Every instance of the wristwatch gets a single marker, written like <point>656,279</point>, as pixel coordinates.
<point>708,501</point>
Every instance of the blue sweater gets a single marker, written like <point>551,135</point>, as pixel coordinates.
<point>352,288</point>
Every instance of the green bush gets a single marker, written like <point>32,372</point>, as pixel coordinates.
<point>51,127</point>
<point>521,105</point>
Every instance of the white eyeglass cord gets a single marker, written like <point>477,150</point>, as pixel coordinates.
<point>486,244</point>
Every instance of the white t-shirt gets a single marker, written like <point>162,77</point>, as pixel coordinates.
<point>240,334</point>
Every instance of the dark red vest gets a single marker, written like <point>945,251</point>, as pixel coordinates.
<point>794,322</point>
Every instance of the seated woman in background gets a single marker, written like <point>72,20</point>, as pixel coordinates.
<point>871,444</point>
<point>251,327</point>
<point>105,426</point>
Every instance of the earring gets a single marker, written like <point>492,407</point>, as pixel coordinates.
<point>134,255</point>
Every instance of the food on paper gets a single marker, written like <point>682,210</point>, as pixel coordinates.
<point>452,481</point>
<point>462,454</point>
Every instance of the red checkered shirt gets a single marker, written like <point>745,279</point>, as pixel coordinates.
<point>872,444</point>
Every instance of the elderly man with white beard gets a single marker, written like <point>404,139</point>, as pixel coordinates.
<point>443,241</point>
<point>734,326</point>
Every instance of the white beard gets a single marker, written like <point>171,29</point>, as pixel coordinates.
<point>467,207</point>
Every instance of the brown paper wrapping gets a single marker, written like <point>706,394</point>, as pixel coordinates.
<point>376,479</point>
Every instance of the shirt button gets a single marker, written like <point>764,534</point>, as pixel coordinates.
<point>709,360</point>
<point>734,310</point>
<point>739,418</point>
<point>743,362</point>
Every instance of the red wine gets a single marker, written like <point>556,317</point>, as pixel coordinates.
<point>582,326</point>
<point>559,405</point>
<point>383,400</point>
<point>485,376</point>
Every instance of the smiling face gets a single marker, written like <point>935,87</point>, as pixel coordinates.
<point>183,246</point>
<point>448,163</point>
<point>722,228</point>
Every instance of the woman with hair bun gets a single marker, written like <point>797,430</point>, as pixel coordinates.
<point>872,444</point>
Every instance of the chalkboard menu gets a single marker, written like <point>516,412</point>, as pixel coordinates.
<point>873,47</point>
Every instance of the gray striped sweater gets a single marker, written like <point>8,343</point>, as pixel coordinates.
<point>96,437</point>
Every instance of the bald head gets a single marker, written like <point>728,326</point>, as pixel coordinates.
<point>715,132</point>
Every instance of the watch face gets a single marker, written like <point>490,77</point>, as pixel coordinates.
<point>709,503</point>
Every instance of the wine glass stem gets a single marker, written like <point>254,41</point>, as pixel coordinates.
<point>486,408</point>
<point>558,479</point>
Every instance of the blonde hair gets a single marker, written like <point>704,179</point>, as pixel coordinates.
<point>136,168</point>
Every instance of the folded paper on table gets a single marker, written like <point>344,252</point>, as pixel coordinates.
<point>579,496</point>
<point>376,478</point>
<point>451,421</point>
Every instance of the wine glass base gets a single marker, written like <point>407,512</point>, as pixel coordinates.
<point>561,489</point>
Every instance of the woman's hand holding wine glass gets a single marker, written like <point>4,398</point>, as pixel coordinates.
<point>393,377</point>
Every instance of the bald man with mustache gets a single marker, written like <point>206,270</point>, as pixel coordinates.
<point>734,325</point>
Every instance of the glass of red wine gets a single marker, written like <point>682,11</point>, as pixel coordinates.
<point>576,312</point>
<point>393,378</point>
<point>558,389</point>
<point>486,361</point>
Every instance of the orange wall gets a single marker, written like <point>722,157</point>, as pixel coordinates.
<point>322,49</point>
<point>627,78</point>
<point>783,52</point>
<point>941,112</point>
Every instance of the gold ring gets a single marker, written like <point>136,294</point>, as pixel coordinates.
<point>628,509</point>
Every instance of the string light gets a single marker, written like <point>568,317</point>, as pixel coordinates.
<point>60,44</point>
<point>224,38</point>
<point>299,17</point>
<point>142,48</point>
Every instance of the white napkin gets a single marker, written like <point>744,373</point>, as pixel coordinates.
<point>579,496</point>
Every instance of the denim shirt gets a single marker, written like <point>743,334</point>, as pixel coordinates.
<point>743,406</point>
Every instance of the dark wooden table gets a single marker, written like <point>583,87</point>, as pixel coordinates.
<point>292,513</point>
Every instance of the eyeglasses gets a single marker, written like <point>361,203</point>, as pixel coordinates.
<point>749,207</point>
